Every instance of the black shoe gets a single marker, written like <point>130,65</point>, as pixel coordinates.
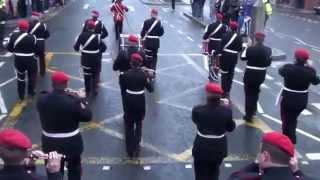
<point>248,119</point>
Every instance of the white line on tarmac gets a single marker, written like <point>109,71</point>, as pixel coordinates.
<point>3,107</point>
<point>172,26</point>
<point>107,60</point>
<point>165,9</point>
<point>197,67</point>
<point>298,130</point>
<point>2,116</point>
<point>2,63</point>
<point>172,67</point>
<point>265,86</point>
<point>177,106</point>
<point>259,108</point>
<point>238,82</point>
<point>269,77</point>
<point>181,94</point>
<point>112,119</point>
<point>317,50</point>
<point>86,6</point>
<point>180,32</point>
<point>313,156</point>
<point>8,81</point>
<point>306,112</point>
<point>317,105</point>
<point>238,70</point>
<point>205,62</point>
<point>188,37</point>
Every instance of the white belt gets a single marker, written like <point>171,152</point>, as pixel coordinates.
<point>256,68</point>
<point>121,73</point>
<point>153,37</point>
<point>215,39</point>
<point>295,91</point>
<point>134,92</point>
<point>40,39</point>
<point>61,135</point>
<point>24,54</point>
<point>230,51</point>
<point>90,52</point>
<point>210,136</point>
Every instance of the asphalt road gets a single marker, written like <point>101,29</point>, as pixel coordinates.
<point>168,131</point>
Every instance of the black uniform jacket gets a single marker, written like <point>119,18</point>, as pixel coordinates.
<point>26,45</point>
<point>39,29</point>
<point>20,173</point>
<point>297,77</point>
<point>122,62</point>
<point>61,113</point>
<point>152,43</point>
<point>100,28</point>
<point>230,59</point>
<point>214,44</point>
<point>257,56</point>
<point>211,119</point>
<point>135,80</point>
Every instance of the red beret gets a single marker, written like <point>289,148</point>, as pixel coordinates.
<point>259,35</point>
<point>133,38</point>
<point>59,77</point>
<point>233,25</point>
<point>136,57</point>
<point>15,139</point>
<point>91,24</point>
<point>279,140</point>
<point>95,13</point>
<point>23,24</point>
<point>214,88</point>
<point>219,16</point>
<point>154,11</point>
<point>36,14</point>
<point>302,54</point>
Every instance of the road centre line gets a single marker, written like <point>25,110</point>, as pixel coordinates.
<point>238,70</point>
<point>188,37</point>
<point>306,112</point>
<point>259,108</point>
<point>298,130</point>
<point>2,63</point>
<point>3,107</point>
<point>180,32</point>
<point>8,81</point>
<point>317,50</point>
<point>172,67</point>
<point>202,72</point>
<point>172,26</point>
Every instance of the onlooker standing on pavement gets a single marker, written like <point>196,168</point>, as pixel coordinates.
<point>276,161</point>
<point>40,30</point>
<point>14,151</point>
<point>213,120</point>
<point>267,10</point>
<point>231,46</point>
<point>297,78</point>
<point>134,81</point>
<point>60,113</point>
<point>24,46</point>
<point>258,59</point>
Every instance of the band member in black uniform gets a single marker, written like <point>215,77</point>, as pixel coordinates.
<point>213,120</point>
<point>297,79</point>
<point>231,46</point>
<point>14,151</point>
<point>276,160</point>
<point>213,34</point>
<point>118,10</point>
<point>258,58</point>
<point>151,32</point>
<point>40,30</point>
<point>134,81</point>
<point>91,47</point>
<point>122,62</point>
<point>24,46</point>
<point>99,26</point>
<point>60,113</point>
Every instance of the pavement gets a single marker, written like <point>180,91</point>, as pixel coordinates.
<point>168,131</point>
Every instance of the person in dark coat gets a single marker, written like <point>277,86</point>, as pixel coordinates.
<point>134,81</point>
<point>258,59</point>
<point>151,32</point>
<point>213,35</point>
<point>18,163</point>
<point>91,47</point>
<point>24,46</point>
<point>297,79</point>
<point>276,161</point>
<point>99,26</point>
<point>60,113</point>
<point>231,46</point>
<point>212,120</point>
<point>40,30</point>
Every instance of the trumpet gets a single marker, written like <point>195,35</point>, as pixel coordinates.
<point>150,73</point>
<point>37,154</point>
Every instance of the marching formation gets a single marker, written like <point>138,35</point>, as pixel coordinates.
<point>136,64</point>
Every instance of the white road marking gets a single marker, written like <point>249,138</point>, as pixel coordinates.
<point>277,64</point>
<point>8,54</point>
<point>265,86</point>
<point>298,130</point>
<point>238,82</point>
<point>188,166</point>
<point>180,32</point>
<point>197,67</point>
<point>105,168</point>
<point>306,112</point>
<point>278,83</point>
<point>86,6</point>
<point>8,81</point>
<point>305,162</point>
<point>147,168</point>
<point>3,107</point>
<point>177,106</point>
<point>313,156</point>
<point>172,67</point>
<point>269,77</point>
<point>238,70</point>
<point>2,116</point>
<point>131,8</point>
<point>2,63</point>
<point>165,9</point>
<point>188,37</point>
<point>112,119</point>
<point>172,26</point>
<point>317,50</point>
<point>228,165</point>
<point>205,62</point>
<point>107,60</point>
<point>317,105</point>
<point>259,108</point>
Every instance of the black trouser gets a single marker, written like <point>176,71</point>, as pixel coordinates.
<point>118,28</point>
<point>41,54</point>
<point>226,79</point>
<point>151,58</point>
<point>133,132</point>
<point>91,72</point>
<point>74,167</point>
<point>37,5</point>
<point>206,170</point>
<point>26,65</point>
<point>122,90</point>
<point>251,98</point>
